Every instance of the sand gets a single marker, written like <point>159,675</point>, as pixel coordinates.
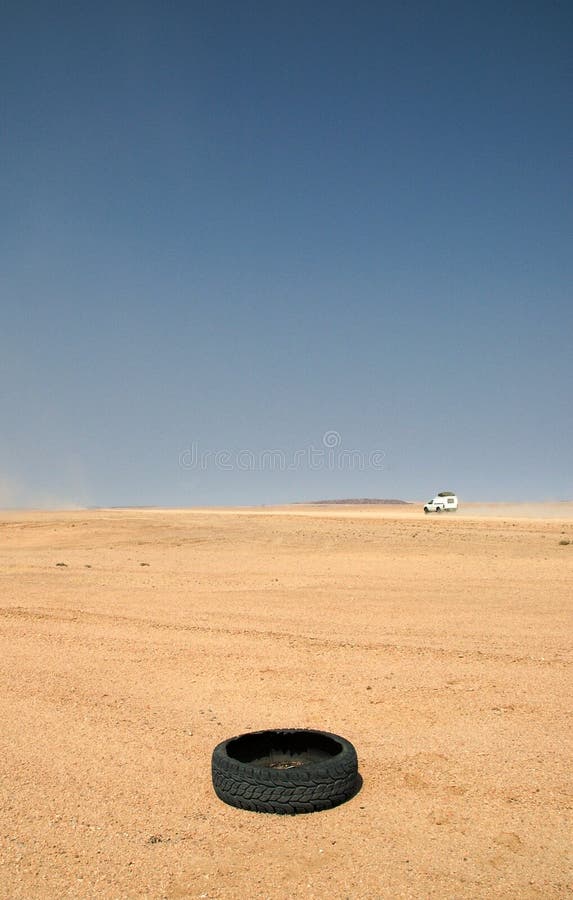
<point>439,645</point>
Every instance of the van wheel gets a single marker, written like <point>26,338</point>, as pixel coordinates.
<point>438,508</point>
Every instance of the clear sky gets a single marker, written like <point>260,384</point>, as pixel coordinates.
<point>234,227</point>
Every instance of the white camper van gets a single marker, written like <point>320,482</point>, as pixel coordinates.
<point>445,501</point>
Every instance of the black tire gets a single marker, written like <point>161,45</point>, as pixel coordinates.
<point>287,771</point>
<point>438,508</point>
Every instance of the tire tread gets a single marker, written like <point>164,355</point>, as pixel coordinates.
<point>285,791</point>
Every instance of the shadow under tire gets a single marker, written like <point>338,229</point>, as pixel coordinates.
<point>286,771</point>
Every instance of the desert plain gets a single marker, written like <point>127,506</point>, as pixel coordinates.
<point>133,641</point>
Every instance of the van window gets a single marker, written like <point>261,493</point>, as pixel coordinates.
<point>450,499</point>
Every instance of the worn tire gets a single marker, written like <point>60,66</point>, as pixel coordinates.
<point>286,771</point>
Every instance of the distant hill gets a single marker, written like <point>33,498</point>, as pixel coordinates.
<point>364,501</point>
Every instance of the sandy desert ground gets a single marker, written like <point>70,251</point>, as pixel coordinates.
<point>133,641</point>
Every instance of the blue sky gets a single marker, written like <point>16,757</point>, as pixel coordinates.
<point>237,227</point>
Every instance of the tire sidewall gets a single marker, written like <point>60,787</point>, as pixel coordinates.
<point>345,760</point>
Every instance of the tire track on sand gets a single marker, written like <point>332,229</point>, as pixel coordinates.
<point>83,617</point>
